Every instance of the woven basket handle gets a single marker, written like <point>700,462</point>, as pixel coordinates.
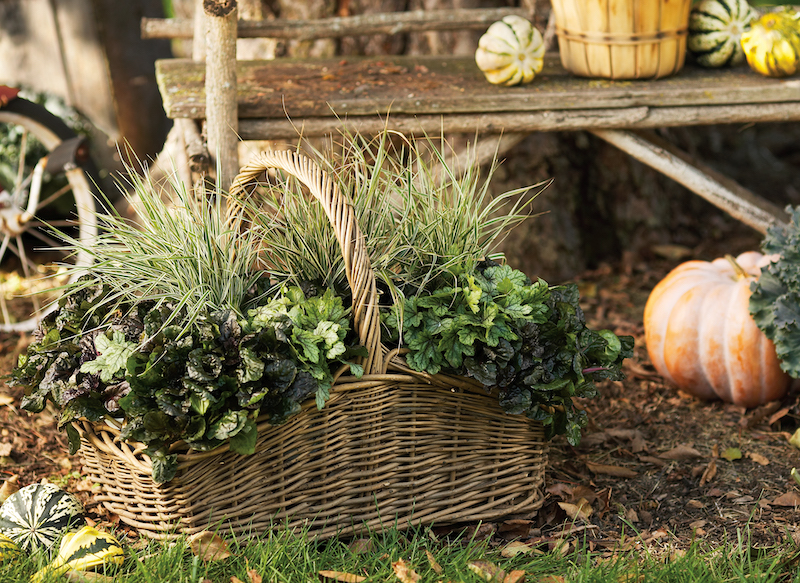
<point>358,266</point>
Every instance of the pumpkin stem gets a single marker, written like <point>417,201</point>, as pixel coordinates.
<point>738,269</point>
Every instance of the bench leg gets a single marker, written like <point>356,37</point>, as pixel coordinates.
<point>716,188</point>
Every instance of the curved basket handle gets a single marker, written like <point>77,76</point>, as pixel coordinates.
<point>358,267</point>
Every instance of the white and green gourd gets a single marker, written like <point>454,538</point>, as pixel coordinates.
<point>38,515</point>
<point>715,31</point>
<point>511,52</point>
<point>83,550</point>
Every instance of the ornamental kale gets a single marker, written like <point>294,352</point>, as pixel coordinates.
<point>775,301</point>
<point>525,339</point>
<point>207,386</point>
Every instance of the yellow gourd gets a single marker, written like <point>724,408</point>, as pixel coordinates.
<point>772,45</point>
<point>511,52</point>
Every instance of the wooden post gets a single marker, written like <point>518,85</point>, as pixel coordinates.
<point>222,116</point>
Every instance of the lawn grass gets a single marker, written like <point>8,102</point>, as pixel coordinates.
<point>284,557</point>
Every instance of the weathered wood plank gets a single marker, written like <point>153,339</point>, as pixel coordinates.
<point>539,121</point>
<point>435,85</point>
<point>338,27</point>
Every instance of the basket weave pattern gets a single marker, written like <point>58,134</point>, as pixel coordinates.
<point>622,39</point>
<point>393,446</point>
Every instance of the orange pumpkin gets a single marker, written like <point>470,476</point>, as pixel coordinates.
<point>701,337</point>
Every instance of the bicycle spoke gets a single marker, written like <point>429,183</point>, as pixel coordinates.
<point>4,307</point>
<point>4,246</point>
<point>55,196</point>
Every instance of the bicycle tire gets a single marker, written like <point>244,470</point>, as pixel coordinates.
<point>51,131</point>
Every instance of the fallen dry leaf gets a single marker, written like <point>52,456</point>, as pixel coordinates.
<point>582,510</point>
<point>515,548</point>
<point>6,399</point>
<point>361,546</point>
<point>778,415</point>
<point>487,571</point>
<point>405,573</point>
<point>681,452</point>
<point>253,576</point>
<point>790,498</point>
<point>5,449</point>
<point>342,577</point>
<point>758,458</point>
<point>8,488</point>
<point>609,470</point>
<point>709,472</point>
<point>209,546</point>
<point>437,568</point>
<point>516,576</point>
<point>794,440</point>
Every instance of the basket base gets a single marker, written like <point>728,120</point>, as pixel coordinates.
<point>403,455</point>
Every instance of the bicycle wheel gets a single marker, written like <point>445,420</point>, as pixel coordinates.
<point>42,188</point>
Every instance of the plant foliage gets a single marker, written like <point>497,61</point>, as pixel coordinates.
<point>775,301</point>
<point>203,387</point>
<point>526,340</point>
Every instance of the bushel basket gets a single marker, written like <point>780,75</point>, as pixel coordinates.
<point>393,447</point>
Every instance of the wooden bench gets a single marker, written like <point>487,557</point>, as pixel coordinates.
<point>277,99</point>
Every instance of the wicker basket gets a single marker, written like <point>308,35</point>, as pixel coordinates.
<point>622,39</point>
<point>394,447</point>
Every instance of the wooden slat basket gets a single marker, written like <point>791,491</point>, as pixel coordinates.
<point>393,447</point>
<point>622,39</point>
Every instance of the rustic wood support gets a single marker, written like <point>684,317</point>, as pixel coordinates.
<point>198,157</point>
<point>539,121</point>
<point>222,112</point>
<point>365,24</point>
<point>717,189</point>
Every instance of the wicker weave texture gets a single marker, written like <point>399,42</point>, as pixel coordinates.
<point>398,450</point>
<point>622,39</point>
<point>393,446</point>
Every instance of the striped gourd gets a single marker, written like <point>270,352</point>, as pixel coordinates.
<point>37,515</point>
<point>510,52</point>
<point>772,45</point>
<point>83,550</point>
<point>715,31</point>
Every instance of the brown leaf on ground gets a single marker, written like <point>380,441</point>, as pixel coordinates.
<point>790,498</point>
<point>9,487</point>
<point>341,577</point>
<point>515,548</point>
<point>253,575</point>
<point>709,472</point>
<point>516,576</point>
<point>209,546</point>
<point>487,571</point>
<point>360,546</point>
<point>609,470</point>
<point>404,573</point>
<point>437,568</point>
<point>758,458</point>
<point>680,453</point>
<point>582,510</point>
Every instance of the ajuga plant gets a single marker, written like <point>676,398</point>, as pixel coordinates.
<point>172,333</point>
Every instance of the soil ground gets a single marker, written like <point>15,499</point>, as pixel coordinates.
<point>655,467</point>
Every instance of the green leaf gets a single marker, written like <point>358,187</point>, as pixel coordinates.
<point>231,423</point>
<point>112,356</point>
<point>244,442</point>
<point>165,466</point>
